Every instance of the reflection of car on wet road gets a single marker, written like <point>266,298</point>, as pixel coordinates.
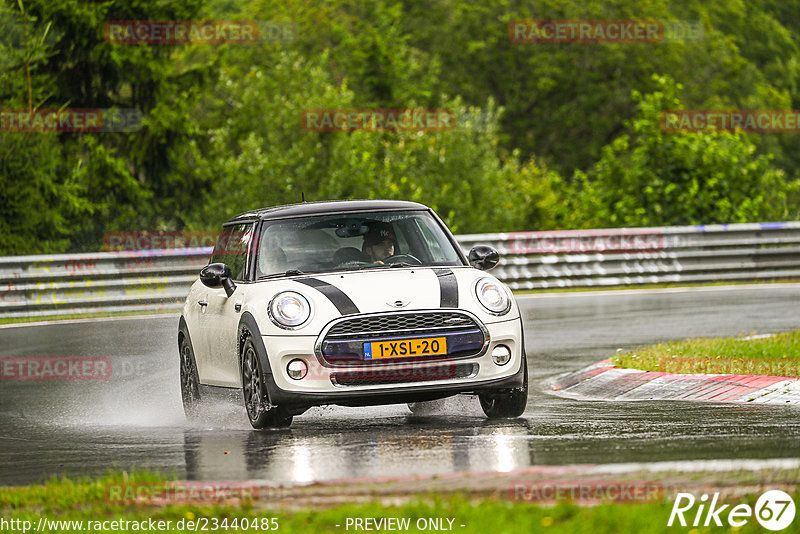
<point>351,303</point>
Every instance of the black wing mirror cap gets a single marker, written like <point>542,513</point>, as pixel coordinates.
<point>216,275</point>
<point>483,257</point>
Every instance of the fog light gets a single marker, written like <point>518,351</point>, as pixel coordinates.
<point>297,369</point>
<point>501,355</point>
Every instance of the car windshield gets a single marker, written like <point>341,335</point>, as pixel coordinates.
<point>351,242</point>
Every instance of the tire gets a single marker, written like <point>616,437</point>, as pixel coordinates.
<point>261,413</point>
<point>506,403</point>
<point>190,381</point>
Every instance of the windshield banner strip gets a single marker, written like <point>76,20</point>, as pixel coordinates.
<point>448,286</point>
<point>337,297</point>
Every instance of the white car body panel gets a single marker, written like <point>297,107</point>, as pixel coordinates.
<point>213,331</point>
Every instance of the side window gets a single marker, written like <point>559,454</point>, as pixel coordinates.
<point>232,247</point>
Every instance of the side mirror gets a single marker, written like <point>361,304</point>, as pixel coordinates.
<point>483,257</point>
<point>215,275</point>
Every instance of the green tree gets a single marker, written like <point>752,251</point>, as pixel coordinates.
<point>564,102</point>
<point>38,204</point>
<point>654,178</point>
<point>121,177</point>
<point>257,153</point>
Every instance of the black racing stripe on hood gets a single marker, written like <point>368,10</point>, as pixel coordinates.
<point>448,288</point>
<point>337,297</point>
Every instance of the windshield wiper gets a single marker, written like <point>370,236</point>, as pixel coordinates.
<point>290,272</point>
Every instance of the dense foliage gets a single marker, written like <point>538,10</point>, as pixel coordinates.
<point>548,135</point>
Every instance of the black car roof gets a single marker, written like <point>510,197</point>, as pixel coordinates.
<point>327,207</point>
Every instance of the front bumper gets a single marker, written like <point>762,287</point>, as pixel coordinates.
<point>398,382</point>
<point>299,402</point>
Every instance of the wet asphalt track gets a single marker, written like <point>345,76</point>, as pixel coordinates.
<point>134,419</point>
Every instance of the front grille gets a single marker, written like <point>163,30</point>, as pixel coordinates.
<point>343,342</point>
<point>393,375</point>
<point>409,323</point>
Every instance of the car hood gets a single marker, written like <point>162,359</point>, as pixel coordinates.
<point>393,289</point>
<point>398,288</point>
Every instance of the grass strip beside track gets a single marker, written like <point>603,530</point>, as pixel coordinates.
<point>87,499</point>
<point>777,355</point>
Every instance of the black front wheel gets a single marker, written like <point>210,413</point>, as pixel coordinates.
<point>506,403</point>
<point>190,382</point>
<point>261,413</point>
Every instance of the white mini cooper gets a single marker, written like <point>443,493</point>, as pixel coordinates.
<point>354,303</point>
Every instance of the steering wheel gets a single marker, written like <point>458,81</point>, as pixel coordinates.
<point>402,258</point>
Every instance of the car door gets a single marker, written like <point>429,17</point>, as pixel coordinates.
<point>222,314</point>
<point>197,324</point>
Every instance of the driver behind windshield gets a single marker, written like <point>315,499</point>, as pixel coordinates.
<point>379,243</point>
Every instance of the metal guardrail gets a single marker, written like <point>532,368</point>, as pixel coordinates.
<point>151,280</point>
<point>635,256</point>
<point>146,280</point>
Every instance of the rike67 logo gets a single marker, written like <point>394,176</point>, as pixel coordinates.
<point>774,510</point>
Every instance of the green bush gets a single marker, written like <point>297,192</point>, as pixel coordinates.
<point>257,154</point>
<point>653,178</point>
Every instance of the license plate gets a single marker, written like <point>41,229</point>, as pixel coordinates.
<point>405,348</point>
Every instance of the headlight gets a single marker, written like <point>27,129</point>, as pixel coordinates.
<point>289,309</point>
<point>492,296</point>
